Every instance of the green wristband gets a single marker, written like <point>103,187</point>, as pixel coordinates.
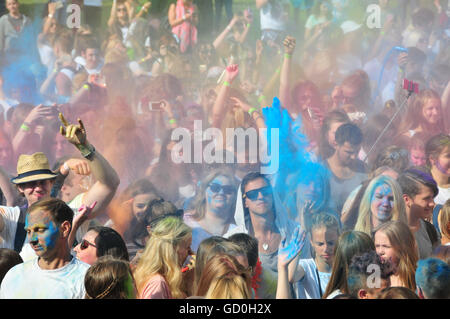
<point>287,55</point>
<point>226,83</point>
<point>261,98</point>
<point>24,127</point>
<point>252,109</point>
<point>172,121</point>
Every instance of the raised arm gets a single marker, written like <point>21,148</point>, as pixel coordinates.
<point>287,253</point>
<point>221,37</point>
<point>289,47</point>
<point>106,177</point>
<point>7,188</point>
<point>218,110</point>
<point>112,15</point>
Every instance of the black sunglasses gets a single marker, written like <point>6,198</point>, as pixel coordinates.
<point>253,194</point>
<point>227,189</point>
<point>85,244</point>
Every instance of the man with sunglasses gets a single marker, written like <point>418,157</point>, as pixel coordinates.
<point>55,273</point>
<point>260,214</point>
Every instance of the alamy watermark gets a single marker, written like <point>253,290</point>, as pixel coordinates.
<point>73,20</point>
<point>190,147</point>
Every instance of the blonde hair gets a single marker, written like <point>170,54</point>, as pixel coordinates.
<point>160,255</point>
<point>224,278</point>
<point>404,244</point>
<point>444,219</point>
<point>364,222</point>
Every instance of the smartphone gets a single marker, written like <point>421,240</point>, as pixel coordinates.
<point>155,106</point>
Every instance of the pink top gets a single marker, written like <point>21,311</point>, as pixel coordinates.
<point>156,288</point>
<point>186,31</point>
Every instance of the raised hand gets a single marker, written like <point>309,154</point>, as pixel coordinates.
<point>84,212</point>
<point>78,166</point>
<point>74,133</point>
<point>244,106</point>
<point>289,45</point>
<point>39,112</point>
<point>232,72</point>
<point>288,251</point>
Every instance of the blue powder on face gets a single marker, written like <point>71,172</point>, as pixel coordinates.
<point>297,165</point>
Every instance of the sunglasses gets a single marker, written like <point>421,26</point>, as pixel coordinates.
<point>227,189</point>
<point>85,244</point>
<point>253,194</point>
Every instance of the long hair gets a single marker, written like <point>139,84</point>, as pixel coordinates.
<point>107,278</point>
<point>224,278</point>
<point>200,198</point>
<point>211,247</point>
<point>414,117</point>
<point>350,243</point>
<point>364,221</point>
<point>160,255</point>
<point>404,244</point>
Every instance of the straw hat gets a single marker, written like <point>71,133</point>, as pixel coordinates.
<point>32,168</point>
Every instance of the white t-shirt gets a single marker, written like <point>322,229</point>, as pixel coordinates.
<point>10,217</point>
<point>308,286</point>
<point>273,17</point>
<point>28,281</point>
<point>443,196</point>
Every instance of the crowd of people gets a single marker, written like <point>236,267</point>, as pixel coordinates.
<point>95,202</point>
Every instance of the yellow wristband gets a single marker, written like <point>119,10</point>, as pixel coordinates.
<point>86,86</point>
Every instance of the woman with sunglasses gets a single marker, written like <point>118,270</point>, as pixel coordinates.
<point>214,205</point>
<point>260,213</point>
<point>100,241</point>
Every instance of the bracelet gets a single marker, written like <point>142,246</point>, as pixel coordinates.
<point>86,151</point>
<point>228,28</point>
<point>86,86</point>
<point>50,15</point>
<point>287,55</point>
<point>226,83</point>
<point>24,127</point>
<point>184,17</point>
<point>277,71</point>
<point>252,109</point>
<point>172,121</point>
<point>261,98</point>
<point>248,25</point>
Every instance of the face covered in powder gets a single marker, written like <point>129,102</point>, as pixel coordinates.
<point>42,232</point>
<point>382,203</point>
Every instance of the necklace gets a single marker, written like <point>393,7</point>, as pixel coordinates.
<point>265,244</point>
